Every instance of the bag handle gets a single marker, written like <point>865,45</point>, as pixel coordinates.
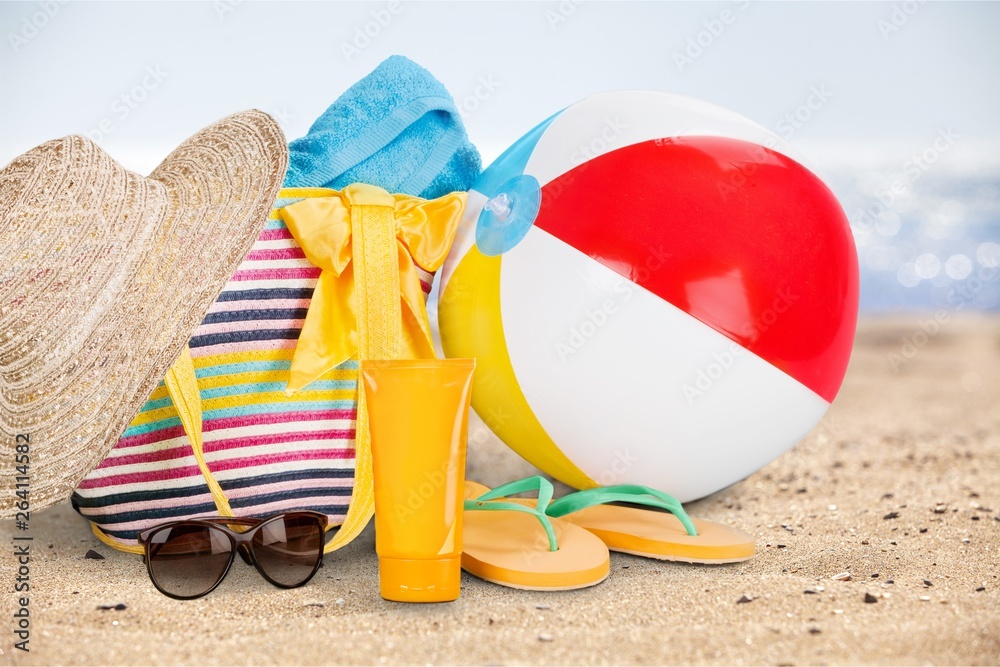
<point>182,385</point>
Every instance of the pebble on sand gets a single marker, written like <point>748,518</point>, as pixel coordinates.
<point>843,576</point>
<point>928,582</point>
<point>870,599</point>
<point>93,555</point>
<point>891,515</point>
<point>116,607</point>
<point>744,599</point>
<point>545,637</point>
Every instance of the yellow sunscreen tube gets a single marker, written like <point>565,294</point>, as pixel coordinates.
<point>418,413</point>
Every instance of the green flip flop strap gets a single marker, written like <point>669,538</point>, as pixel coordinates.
<point>488,501</point>
<point>621,493</point>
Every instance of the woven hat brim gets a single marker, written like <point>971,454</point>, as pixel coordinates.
<point>212,195</point>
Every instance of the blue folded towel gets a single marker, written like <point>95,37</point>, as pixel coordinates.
<point>397,128</point>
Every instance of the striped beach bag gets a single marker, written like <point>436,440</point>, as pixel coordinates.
<point>261,412</point>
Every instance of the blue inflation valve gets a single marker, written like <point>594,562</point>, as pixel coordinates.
<point>508,215</point>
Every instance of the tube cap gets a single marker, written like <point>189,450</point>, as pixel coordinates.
<point>437,580</point>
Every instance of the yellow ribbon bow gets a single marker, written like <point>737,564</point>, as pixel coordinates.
<point>368,301</point>
<point>366,241</point>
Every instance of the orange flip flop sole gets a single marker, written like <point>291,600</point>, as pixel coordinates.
<point>660,535</point>
<point>511,549</point>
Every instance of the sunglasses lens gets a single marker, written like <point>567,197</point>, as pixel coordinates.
<point>289,548</point>
<point>187,560</point>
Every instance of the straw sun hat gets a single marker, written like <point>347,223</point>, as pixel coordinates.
<point>104,274</point>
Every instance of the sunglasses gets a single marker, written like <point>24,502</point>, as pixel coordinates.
<point>188,559</point>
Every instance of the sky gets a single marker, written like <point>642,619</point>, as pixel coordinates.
<point>882,77</point>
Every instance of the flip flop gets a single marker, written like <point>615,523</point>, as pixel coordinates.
<point>664,531</point>
<point>516,544</point>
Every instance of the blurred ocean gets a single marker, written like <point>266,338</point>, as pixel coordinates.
<point>927,239</point>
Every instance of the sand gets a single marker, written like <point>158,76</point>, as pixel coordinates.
<point>920,444</point>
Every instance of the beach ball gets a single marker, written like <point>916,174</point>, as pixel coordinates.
<point>657,291</point>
